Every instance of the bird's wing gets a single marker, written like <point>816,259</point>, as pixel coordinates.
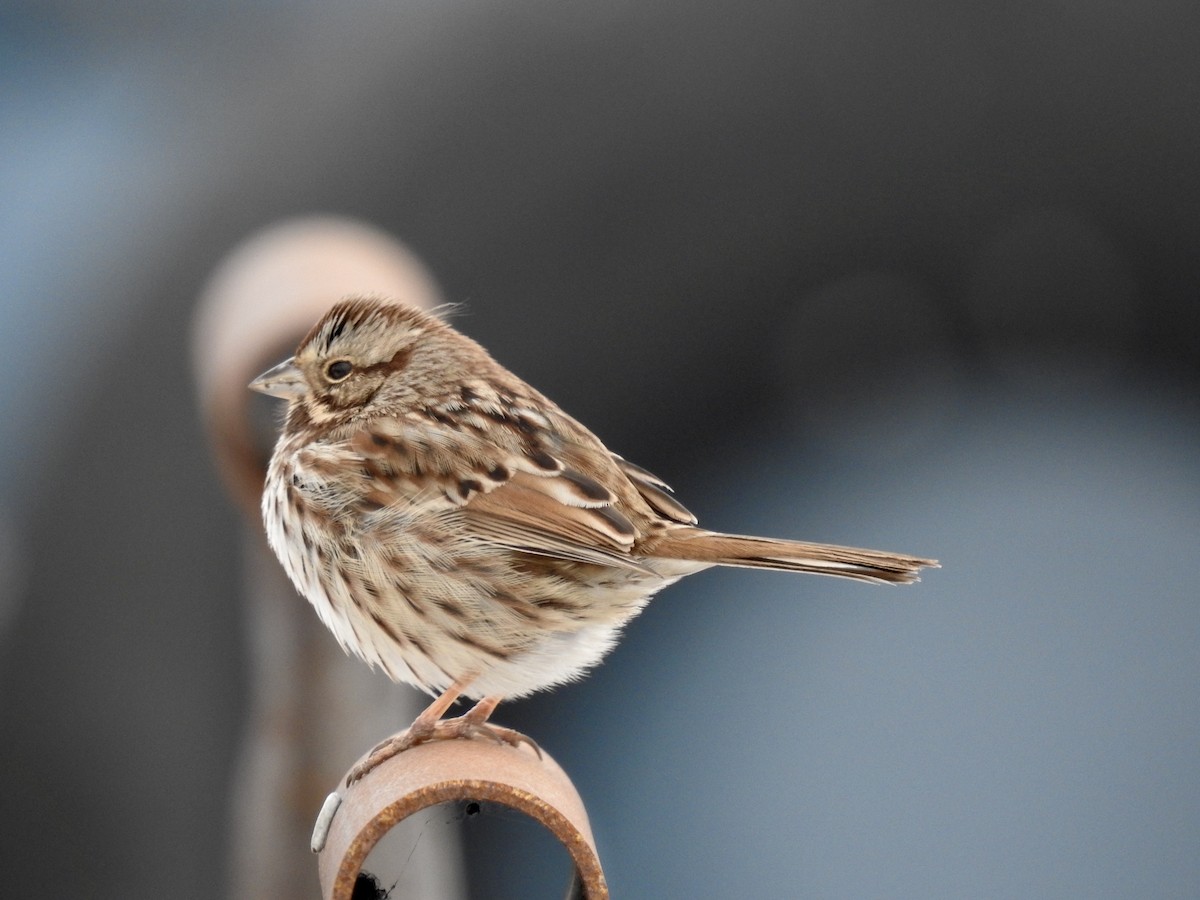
<point>656,492</point>
<point>539,492</point>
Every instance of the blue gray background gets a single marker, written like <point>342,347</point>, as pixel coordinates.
<point>918,275</point>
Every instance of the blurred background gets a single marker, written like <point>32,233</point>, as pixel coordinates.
<point>920,276</point>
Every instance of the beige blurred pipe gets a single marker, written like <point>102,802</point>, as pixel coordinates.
<point>313,709</point>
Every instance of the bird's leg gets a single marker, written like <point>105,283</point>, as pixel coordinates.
<point>422,729</point>
<point>474,723</point>
<point>430,726</point>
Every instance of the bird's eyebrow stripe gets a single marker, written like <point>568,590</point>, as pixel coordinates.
<point>398,361</point>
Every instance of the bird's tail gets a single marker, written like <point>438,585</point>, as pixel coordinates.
<point>713,548</point>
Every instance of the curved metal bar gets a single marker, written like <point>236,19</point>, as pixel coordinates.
<point>442,771</point>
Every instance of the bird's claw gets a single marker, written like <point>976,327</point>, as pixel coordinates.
<point>460,728</point>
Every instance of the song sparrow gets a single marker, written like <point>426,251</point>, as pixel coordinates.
<point>454,527</point>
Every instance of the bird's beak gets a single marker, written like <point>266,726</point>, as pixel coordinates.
<point>284,381</point>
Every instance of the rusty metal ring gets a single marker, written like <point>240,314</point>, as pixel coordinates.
<point>442,771</point>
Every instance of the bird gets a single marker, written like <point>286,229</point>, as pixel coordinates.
<point>455,528</point>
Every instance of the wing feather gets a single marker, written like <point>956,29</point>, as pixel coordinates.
<point>542,493</point>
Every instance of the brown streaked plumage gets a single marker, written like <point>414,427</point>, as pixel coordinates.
<point>454,527</point>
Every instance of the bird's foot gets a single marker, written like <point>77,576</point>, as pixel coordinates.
<point>464,727</point>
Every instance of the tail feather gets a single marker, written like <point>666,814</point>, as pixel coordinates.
<point>790,556</point>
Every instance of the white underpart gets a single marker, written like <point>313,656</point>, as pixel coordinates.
<point>354,632</point>
<point>558,658</point>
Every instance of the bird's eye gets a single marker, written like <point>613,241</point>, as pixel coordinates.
<point>339,370</point>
